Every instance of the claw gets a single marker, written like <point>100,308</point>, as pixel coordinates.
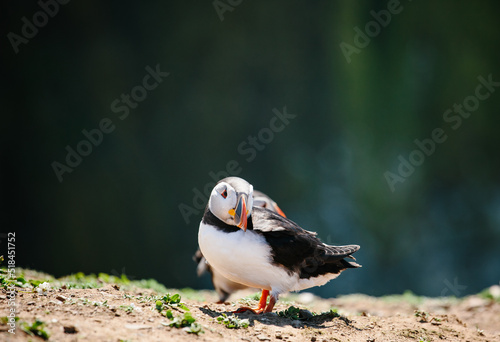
<point>246,308</point>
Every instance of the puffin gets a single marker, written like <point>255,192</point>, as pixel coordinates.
<point>223,286</point>
<point>259,248</point>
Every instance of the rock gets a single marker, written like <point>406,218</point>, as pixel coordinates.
<point>70,329</point>
<point>474,303</point>
<point>305,298</point>
<point>31,303</point>
<point>263,338</point>
<point>137,326</point>
<point>495,291</point>
<point>305,314</point>
<point>61,298</point>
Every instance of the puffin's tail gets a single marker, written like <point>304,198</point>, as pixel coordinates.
<point>340,253</point>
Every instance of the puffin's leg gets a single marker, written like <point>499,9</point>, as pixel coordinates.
<point>260,308</point>
<point>270,306</point>
<point>263,299</point>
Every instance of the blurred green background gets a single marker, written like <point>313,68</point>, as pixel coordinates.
<point>437,233</point>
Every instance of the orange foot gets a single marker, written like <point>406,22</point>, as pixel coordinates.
<point>262,304</point>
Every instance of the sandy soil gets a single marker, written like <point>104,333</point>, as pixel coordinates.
<point>112,313</point>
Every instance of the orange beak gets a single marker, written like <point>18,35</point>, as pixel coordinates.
<point>278,210</point>
<point>240,213</point>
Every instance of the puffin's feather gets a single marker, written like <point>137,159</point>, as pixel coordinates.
<point>297,249</point>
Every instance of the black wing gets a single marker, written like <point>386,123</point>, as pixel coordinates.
<point>297,249</point>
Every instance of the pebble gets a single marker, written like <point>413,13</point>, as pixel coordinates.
<point>70,329</point>
<point>30,303</point>
<point>137,326</point>
<point>305,298</point>
<point>495,291</point>
<point>263,338</point>
<point>61,298</point>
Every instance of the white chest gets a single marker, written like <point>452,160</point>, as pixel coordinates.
<point>243,257</point>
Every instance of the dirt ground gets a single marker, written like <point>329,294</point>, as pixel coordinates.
<point>117,313</point>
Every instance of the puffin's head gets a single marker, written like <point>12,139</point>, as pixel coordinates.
<point>260,199</point>
<point>231,201</point>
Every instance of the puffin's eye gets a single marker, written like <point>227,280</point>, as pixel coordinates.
<point>224,193</point>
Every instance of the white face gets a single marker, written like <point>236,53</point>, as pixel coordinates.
<point>223,201</point>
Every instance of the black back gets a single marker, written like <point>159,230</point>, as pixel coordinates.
<point>292,247</point>
<point>299,250</point>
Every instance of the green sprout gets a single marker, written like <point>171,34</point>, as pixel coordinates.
<point>233,322</point>
<point>5,319</point>
<point>127,308</point>
<point>170,301</point>
<point>35,329</point>
<point>187,322</point>
<point>295,313</point>
<point>424,316</point>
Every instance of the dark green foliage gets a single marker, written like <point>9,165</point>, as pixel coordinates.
<point>37,328</point>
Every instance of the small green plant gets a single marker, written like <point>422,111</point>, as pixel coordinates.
<point>182,321</point>
<point>424,316</point>
<point>294,313</point>
<point>128,308</point>
<point>187,322</point>
<point>248,300</point>
<point>194,328</point>
<point>333,313</point>
<point>170,301</point>
<point>233,322</point>
<point>105,304</point>
<point>5,319</point>
<point>35,329</point>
